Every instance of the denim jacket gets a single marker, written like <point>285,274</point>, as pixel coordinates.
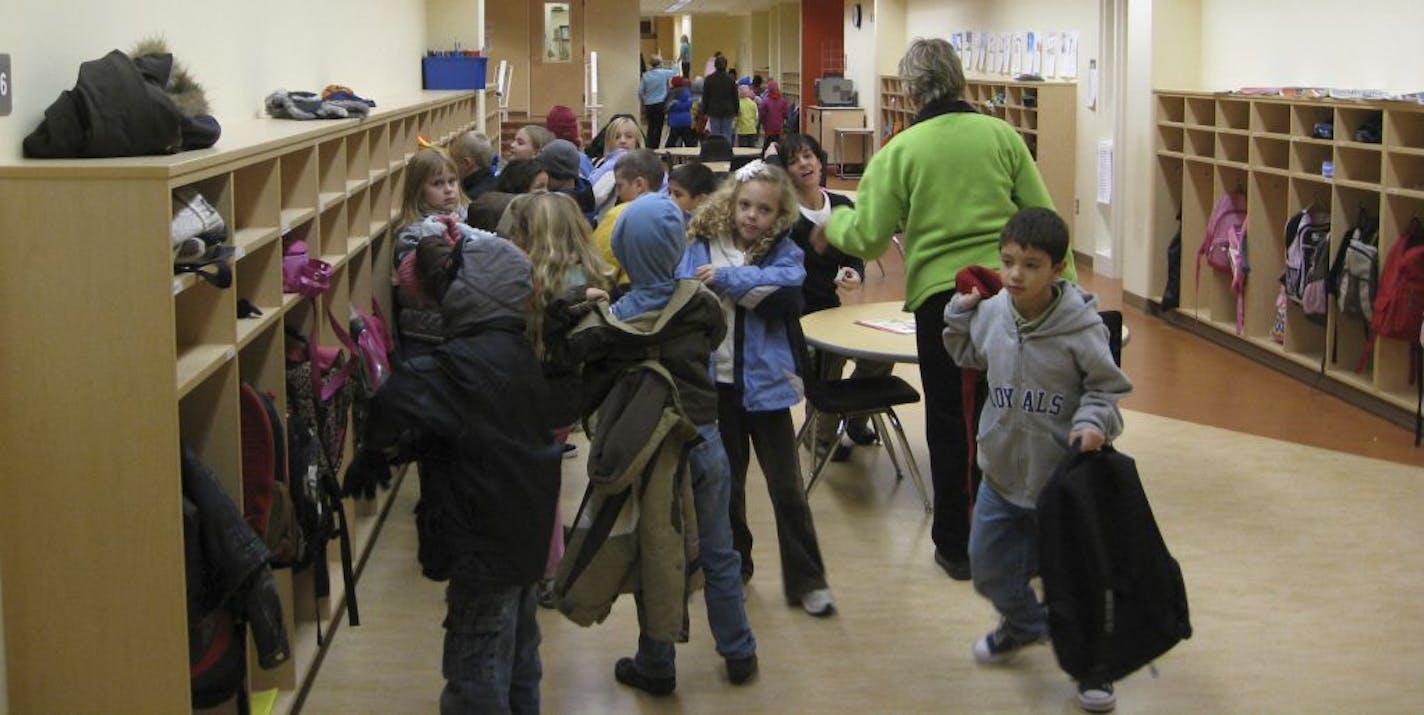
<point>767,295</point>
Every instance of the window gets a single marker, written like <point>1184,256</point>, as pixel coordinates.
<point>556,32</point>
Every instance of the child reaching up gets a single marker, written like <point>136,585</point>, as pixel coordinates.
<point>1053,388</point>
<point>740,249</point>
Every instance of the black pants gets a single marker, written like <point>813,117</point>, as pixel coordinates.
<point>681,136</point>
<point>774,438</point>
<point>654,114</point>
<point>944,432</point>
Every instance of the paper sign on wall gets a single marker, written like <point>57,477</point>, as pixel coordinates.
<point>5,102</point>
<point>1105,155</point>
<point>1068,57</point>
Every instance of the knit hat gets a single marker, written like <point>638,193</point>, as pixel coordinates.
<point>561,159</point>
<point>563,123</point>
<point>679,81</point>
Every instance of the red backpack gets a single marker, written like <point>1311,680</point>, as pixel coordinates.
<point>1399,305</point>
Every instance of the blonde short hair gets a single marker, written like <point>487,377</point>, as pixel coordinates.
<point>473,147</point>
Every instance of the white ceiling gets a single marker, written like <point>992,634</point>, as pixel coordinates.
<point>707,7</point>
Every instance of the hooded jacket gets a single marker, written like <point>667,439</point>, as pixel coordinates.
<point>474,408</point>
<point>679,108</point>
<point>1042,385</point>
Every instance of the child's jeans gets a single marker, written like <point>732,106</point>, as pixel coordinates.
<point>491,662</point>
<point>722,567</point>
<point>1003,555</point>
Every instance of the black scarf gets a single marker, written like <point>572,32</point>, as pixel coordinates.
<point>941,106</point>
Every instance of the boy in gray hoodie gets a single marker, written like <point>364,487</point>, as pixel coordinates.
<point>1052,383</point>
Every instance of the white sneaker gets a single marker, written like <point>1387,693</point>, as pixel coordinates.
<point>819,602</point>
<point>1096,697</point>
<point>571,450</point>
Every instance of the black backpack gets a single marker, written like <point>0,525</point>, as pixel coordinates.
<point>1114,594</point>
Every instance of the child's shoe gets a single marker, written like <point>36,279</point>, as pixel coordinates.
<point>626,672</point>
<point>740,670</point>
<point>819,602</point>
<point>998,647</point>
<point>545,593</point>
<point>1096,697</point>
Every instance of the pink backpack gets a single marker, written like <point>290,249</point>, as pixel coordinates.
<point>1224,248</point>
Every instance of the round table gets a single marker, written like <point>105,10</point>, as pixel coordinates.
<point>842,331</point>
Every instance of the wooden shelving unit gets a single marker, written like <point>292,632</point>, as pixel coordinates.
<point>791,87</point>
<point>1044,113</point>
<point>1207,144</point>
<point>111,361</point>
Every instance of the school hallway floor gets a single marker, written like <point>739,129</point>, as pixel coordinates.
<point>1295,517</point>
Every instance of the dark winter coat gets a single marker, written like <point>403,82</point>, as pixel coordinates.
<point>719,95</point>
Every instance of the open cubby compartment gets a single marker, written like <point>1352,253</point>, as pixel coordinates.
<point>379,208</point>
<point>1392,367</point>
<point>217,190</point>
<point>1270,118</point>
<point>204,333</point>
<point>1031,141</point>
<point>259,282</point>
<point>1233,146</point>
<point>1359,163</point>
<point>1201,143</point>
<point>1030,120</point>
<point>1405,171</point>
<point>257,204</point>
<point>1014,96</point>
<point>358,160</point>
<point>1170,138</point>
<point>1305,337</point>
<point>1404,128</point>
<point>358,214</point>
<point>1216,300</point>
<point>410,127</point>
<point>1270,153</point>
<point>1201,111</point>
<point>1014,116</point>
<point>1348,332</point>
<point>333,230</point>
<point>1304,117</point>
<point>359,282</point>
<point>397,186</point>
<point>1350,119</point>
<point>1233,114</point>
<point>1171,108</point>
<point>379,145</point>
<point>1165,216</point>
<point>1267,210</point>
<point>331,172</point>
<point>208,423</point>
<point>299,187</point>
<point>1198,196</point>
<point>1309,156</point>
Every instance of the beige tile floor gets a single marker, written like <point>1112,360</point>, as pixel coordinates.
<point>1303,567</point>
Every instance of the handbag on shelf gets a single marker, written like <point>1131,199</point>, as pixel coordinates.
<point>301,273</point>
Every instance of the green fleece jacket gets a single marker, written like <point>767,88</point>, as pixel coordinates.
<point>951,181</point>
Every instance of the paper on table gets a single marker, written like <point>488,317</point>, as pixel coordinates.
<point>899,326</point>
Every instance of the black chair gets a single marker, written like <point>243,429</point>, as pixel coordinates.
<point>843,398</point>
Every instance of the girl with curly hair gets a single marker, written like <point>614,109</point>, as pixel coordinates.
<point>740,249</point>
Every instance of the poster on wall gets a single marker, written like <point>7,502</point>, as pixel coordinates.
<point>1033,48</point>
<point>956,40</point>
<point>1068,56</point>
<point>981,50</point>
<point>1006,47</point>
<point>1050,42</point>
<point>1016,54</point>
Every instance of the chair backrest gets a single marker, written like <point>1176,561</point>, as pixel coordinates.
<point>1113,319</point>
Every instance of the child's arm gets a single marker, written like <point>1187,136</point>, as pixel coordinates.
<point>1098,419</point>
<point>785,267</point>
<point>958,323</point>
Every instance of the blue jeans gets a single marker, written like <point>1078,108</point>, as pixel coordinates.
<point>491,662</point>
<point>721,566</point>
<point>724,126</point>
<point>1003,555</point>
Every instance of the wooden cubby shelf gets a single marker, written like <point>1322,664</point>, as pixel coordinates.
<point>1278,151</point>
<point>149,361</point>
<point>1043,113</point>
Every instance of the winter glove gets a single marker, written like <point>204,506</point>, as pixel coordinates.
<point>367,471</point>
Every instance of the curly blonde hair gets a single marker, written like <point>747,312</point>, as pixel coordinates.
<point>550,228</point>
<point>717,216</point>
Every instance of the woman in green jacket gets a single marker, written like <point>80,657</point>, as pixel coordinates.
<point>950,181</point>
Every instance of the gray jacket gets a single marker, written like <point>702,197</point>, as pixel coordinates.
<point>1042,385</point>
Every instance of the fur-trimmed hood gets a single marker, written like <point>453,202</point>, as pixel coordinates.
<point>180,86</point>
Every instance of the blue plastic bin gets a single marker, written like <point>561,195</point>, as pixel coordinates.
<point>453,72</point>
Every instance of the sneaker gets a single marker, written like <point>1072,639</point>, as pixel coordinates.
<point>862,435</point>
<point>957,570</point>
<point>997,647</point>
<point>843,447</point>
<point>626,672</point>
<point>570,450</point>
<point>1096,697</point>
<point>818,602</point>
<point>740,670</point>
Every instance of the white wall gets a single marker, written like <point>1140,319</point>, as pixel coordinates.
<point>1090,226</point>
<point>239,51</point>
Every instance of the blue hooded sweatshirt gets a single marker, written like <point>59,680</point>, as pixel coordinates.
<point>648,241</point>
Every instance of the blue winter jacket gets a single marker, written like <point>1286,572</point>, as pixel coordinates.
<point>679,108</point>
<point>767,296</point>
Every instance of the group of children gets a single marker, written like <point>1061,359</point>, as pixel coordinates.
<point>477,403</point>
